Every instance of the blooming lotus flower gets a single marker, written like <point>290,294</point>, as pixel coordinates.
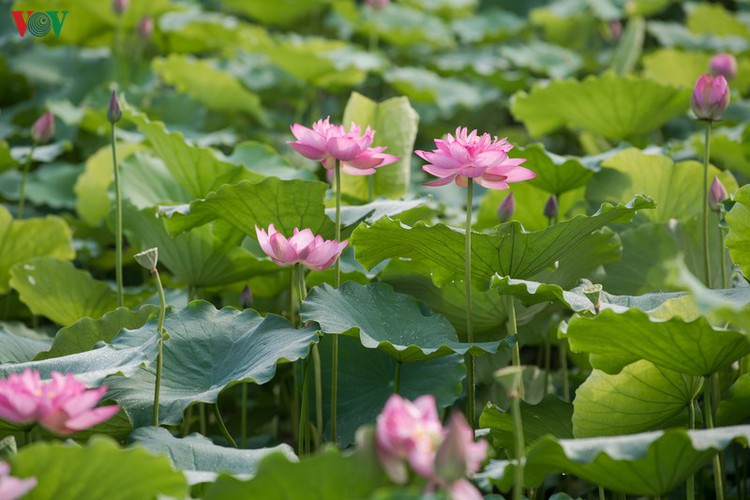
<point>43,128</point>
<point>710,97</point>
<point>471,156</point>
<point>62,405</point>
<point>408,431</point>
<point>326,143</point>
<point>717,193</point>
<point>459,455</point>
<point>724,65</point>
<point>304,248</point>
<point>13,487</point>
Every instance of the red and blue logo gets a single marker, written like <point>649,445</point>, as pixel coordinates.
<point>39,23</point>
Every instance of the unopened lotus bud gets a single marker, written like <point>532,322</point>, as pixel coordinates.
<point>717,193</point>
<point>507,208</point>
<point>148,259</point>
<point>120,6</point>
<point>114,112</point>
<point>145,28</point>
<point>615,29</point>
<point>44,128</point>
<point>246,298</point>
<point>378,4</point>
<point>594,294</point>
<point>710,97</point>
<point>551,207</point>
<point>724,65</point>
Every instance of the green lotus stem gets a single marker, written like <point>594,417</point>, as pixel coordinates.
<point>397,378</point>
<point>293,287</point>
<point>564,368</point>
<point>118,223</point>
<point>335,340</point>
<point>202,418</point>
<point>24,178</point>
<point>160,332</point>
<point>708,396</point>
<point>517,395</point>
<point>513,330</point>
<point>303,446</point>
<point>370,188</point>
<point>243,416</point>
<point>222,427</point>
<point>706,259</point>
<point>722,252</point>
<point>547,362</point>
<point>318,393</point>
<point>602,496</point>
<point>470,366</point>
<point>690,483</point>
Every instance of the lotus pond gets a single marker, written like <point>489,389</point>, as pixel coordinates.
<point>379,249</point>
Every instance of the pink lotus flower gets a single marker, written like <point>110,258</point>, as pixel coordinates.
<point>43,128</point>
<point>717,193</point>
<point>471,156</point>
<point>710,97</point>
<point>408,431</point>
<point>724,65</point>
<point>459,455</point>
<point>13,487</point>
<point>304,248</point>
<point>326,143</point>
<point>378,4</point>
<point>62,405</point>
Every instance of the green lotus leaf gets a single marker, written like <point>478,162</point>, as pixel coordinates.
<point>735,408</point>
<point>146,182</point>
<point>617,339</point>
<point>18,345</point>
<point>68,471</point>
<point>200,459</point>
<point>613,106</point>
<point>284,13</point>
<point>737,238</point>
<point>208,350</point>
<point>368,313</point>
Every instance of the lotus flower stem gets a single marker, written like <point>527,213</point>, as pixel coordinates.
<point>708,396</point>
<point>469,326</point>
<point>202,418</point>
<point>318,393</point>
<point>335,340</point>
<point>397,378</point>
<point>706,259</point>
<point>243,417</point>
<point>160,332</point>
<point>564,368</point>
<point>370,188</point>
<point>516,395</point>
<point>24,178</point>
<point>303,445</point>
<point>222,427</point>
<point>690,483</point>
<point>118,223</point>
<point>602,496</point>
<point>722,253</point>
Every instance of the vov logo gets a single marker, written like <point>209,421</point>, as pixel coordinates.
<point>39,23</point>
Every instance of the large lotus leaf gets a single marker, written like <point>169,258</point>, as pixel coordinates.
<point>682,68</point>
<point>146,182</point>
<point>395,123</point>
<point>738,237</point>
<point>401,25</point>
<point>20,345</point>
<point>642,397</point>
<point>706,19</point>
<point>650,464</point>
<point>352,215</point>
<point>56,289</point>
<point>199,257</point>
<point>729,306</point>
<point>201,80</point>
<point>199,458</point>
<point>286,204</point>
<point>101,469</point>
<point>92,202</point>
<point>6,160</point>
<point>83,335</point>
<point>284,13</point>
<point>613,106</point>
<point>367,379</point>
<point>92,366</point>
<point>735,408</point>
<point>447,9</point>
<point>617,339</point>
<point>384,319</point>
<point>328,475</point>
<point>540,57</point>
<point>21,240</point>
<point>673,187</point>
<point>550,416</point>
<point>491,24</point>
<point>630,46</point>
<point>52,185</point>
<point>197,169</point>
<point>207,351</point>
<point>264,159</point>
<point>554,174</point>
<point>507,250</point>
<point>672,34</point>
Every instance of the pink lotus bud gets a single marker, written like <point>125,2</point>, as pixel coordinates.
<point>710,97</point>
<point>11,487</point>
<point>724,65</point>
<point>507,208</point>
<point>43,128</point>
<point>62,405</point>
<point>615,29</point>
<point>717,193</point>
<point>459,454</point>
<point>407,431</point>
<point>120,6</point>
<point>114,112</point>
<point>551,207</point>
<point>246,298</point>
<point>145,28</point>
<point>378,4</point>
